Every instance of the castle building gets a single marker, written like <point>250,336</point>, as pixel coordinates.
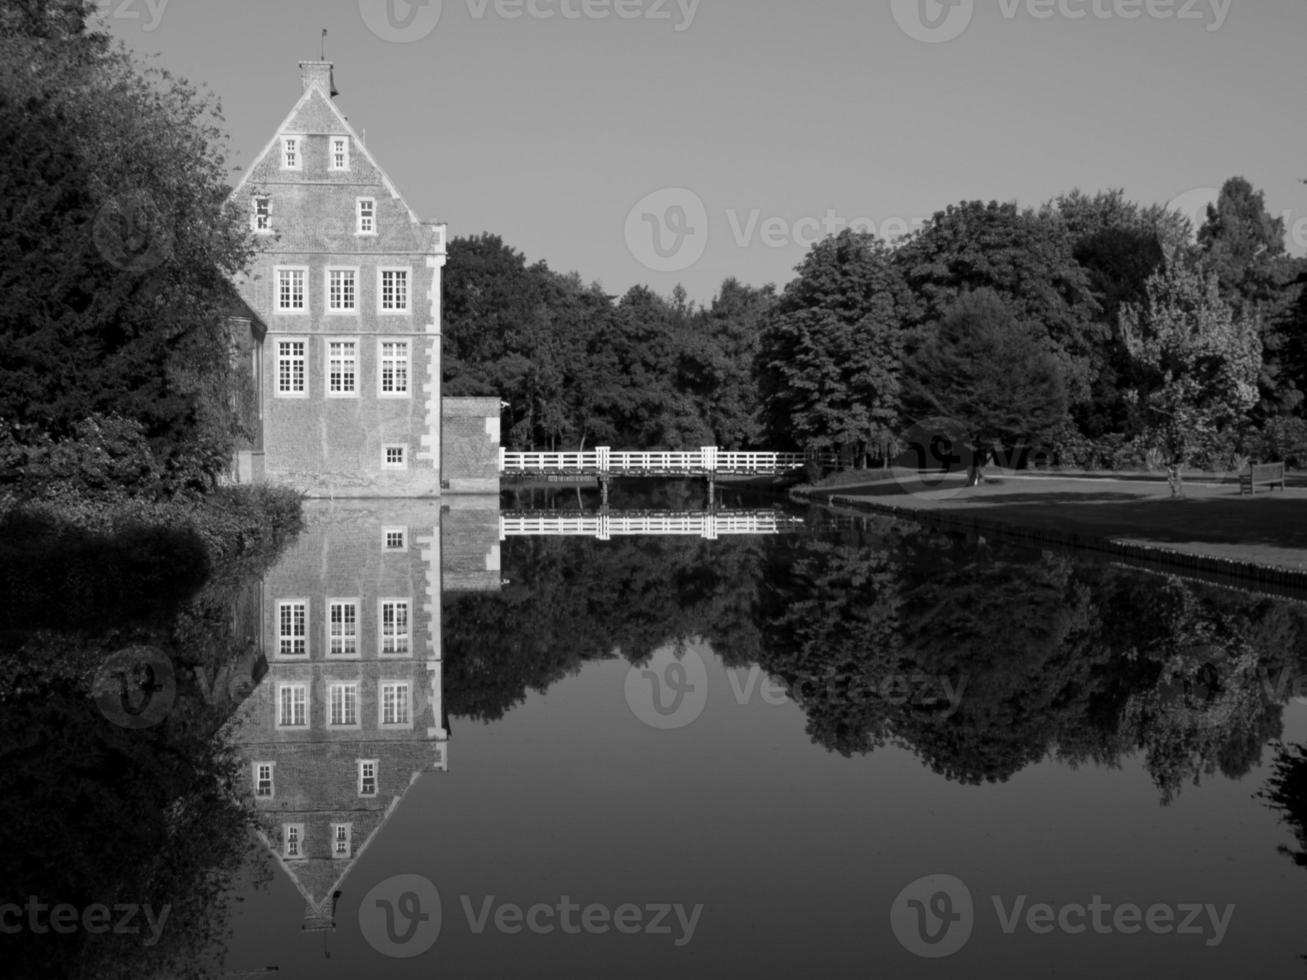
<point>339,326</point>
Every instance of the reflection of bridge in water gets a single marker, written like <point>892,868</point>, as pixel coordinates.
<point>606,525</point>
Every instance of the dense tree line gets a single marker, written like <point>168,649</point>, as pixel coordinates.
<point>999,326</point>
<point>117,245</point>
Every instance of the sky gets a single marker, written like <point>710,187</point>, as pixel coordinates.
<point>688,141</point>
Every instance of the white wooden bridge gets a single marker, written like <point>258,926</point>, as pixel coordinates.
<point>604,462</point>
<point>605,526</point>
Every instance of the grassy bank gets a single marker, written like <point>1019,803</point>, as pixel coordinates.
<point>1211,522</point>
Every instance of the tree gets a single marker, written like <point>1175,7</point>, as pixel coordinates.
<point>1243,245</point>
<point>831,352</point>
<point>1198,362</point>
<point>117,246</point>
<point>1027,259</point>
<point>990,377</point>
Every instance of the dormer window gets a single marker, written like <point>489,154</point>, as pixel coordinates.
<point>340,153</point>
<point>291,156</point>
<point>262,221</point>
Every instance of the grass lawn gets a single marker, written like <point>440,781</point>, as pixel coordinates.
<point>1212,519</point>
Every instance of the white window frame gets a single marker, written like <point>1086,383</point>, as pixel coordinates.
<point>292,841</point>
<point>407,308</point>
<point>343,604</point>
<point>298,140</point>
<point>302,634</point>
<point>342,834</point>
<point>387,533</point>
<point>302,358</point>
<point>406,603</point>
<point>358,216</point>
<point>331,153</point>
<point>254,214</point>
<point>375,765</point>
<point>327,358</point>
<point>293,689</point>
<point>345,689</point>
<point>277,308</point>
<point>383,360</point>
<point>271,794</point>
<point>403,699</point>
<point>387,465</point>
<point>328,308</point>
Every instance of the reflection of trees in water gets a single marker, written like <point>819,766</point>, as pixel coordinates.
<point>96,813</point>
<point>570,602</point>
<point>871,624</point>
<point>1286,791</point>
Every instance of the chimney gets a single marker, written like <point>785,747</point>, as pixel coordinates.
<point>318,73</point>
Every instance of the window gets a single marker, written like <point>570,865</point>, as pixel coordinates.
<point>340,153</point>
<point>342,291</point>
<point>367,777</point>
<point>340,840</point>
<point>394,703</point>
<point>344,704</point>
<point>394,539</point>
<point>394,458</point>
<point>291,379</point>
<point>262,213</point>
<point>343,628</point>
<point>293,706</point>
<point>367,216</point>
<point>291,158</point>
<point>393,362</point>
<point>394,627</point>
<point>293,628</point>
<point>342,368</point>
<point>393,295</point>
<point>292,835</point>
<point>263,780</point>
<point>292,290</point>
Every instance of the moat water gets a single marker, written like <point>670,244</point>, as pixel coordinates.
<point>413,747</point>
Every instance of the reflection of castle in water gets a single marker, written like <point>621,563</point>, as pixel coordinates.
<point>350,712</point>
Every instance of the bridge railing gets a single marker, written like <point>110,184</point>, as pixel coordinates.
<point>704,461</point>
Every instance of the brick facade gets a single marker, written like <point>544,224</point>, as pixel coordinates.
<point>347,283</point>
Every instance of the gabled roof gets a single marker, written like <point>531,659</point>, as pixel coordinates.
<point>315,90</point>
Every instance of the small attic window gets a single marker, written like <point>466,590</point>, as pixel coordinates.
<point>262,220</point>
<point>291,156</point>
<point>340,153</point>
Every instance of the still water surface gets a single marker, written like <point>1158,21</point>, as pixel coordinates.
<point>841,751</point>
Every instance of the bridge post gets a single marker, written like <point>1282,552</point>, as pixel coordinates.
<point>602,454</point>
<point>708,458</point>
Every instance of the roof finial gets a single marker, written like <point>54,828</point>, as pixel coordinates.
<point>324,45</point>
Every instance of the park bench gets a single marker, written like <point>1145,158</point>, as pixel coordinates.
<point>1263,474</point>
